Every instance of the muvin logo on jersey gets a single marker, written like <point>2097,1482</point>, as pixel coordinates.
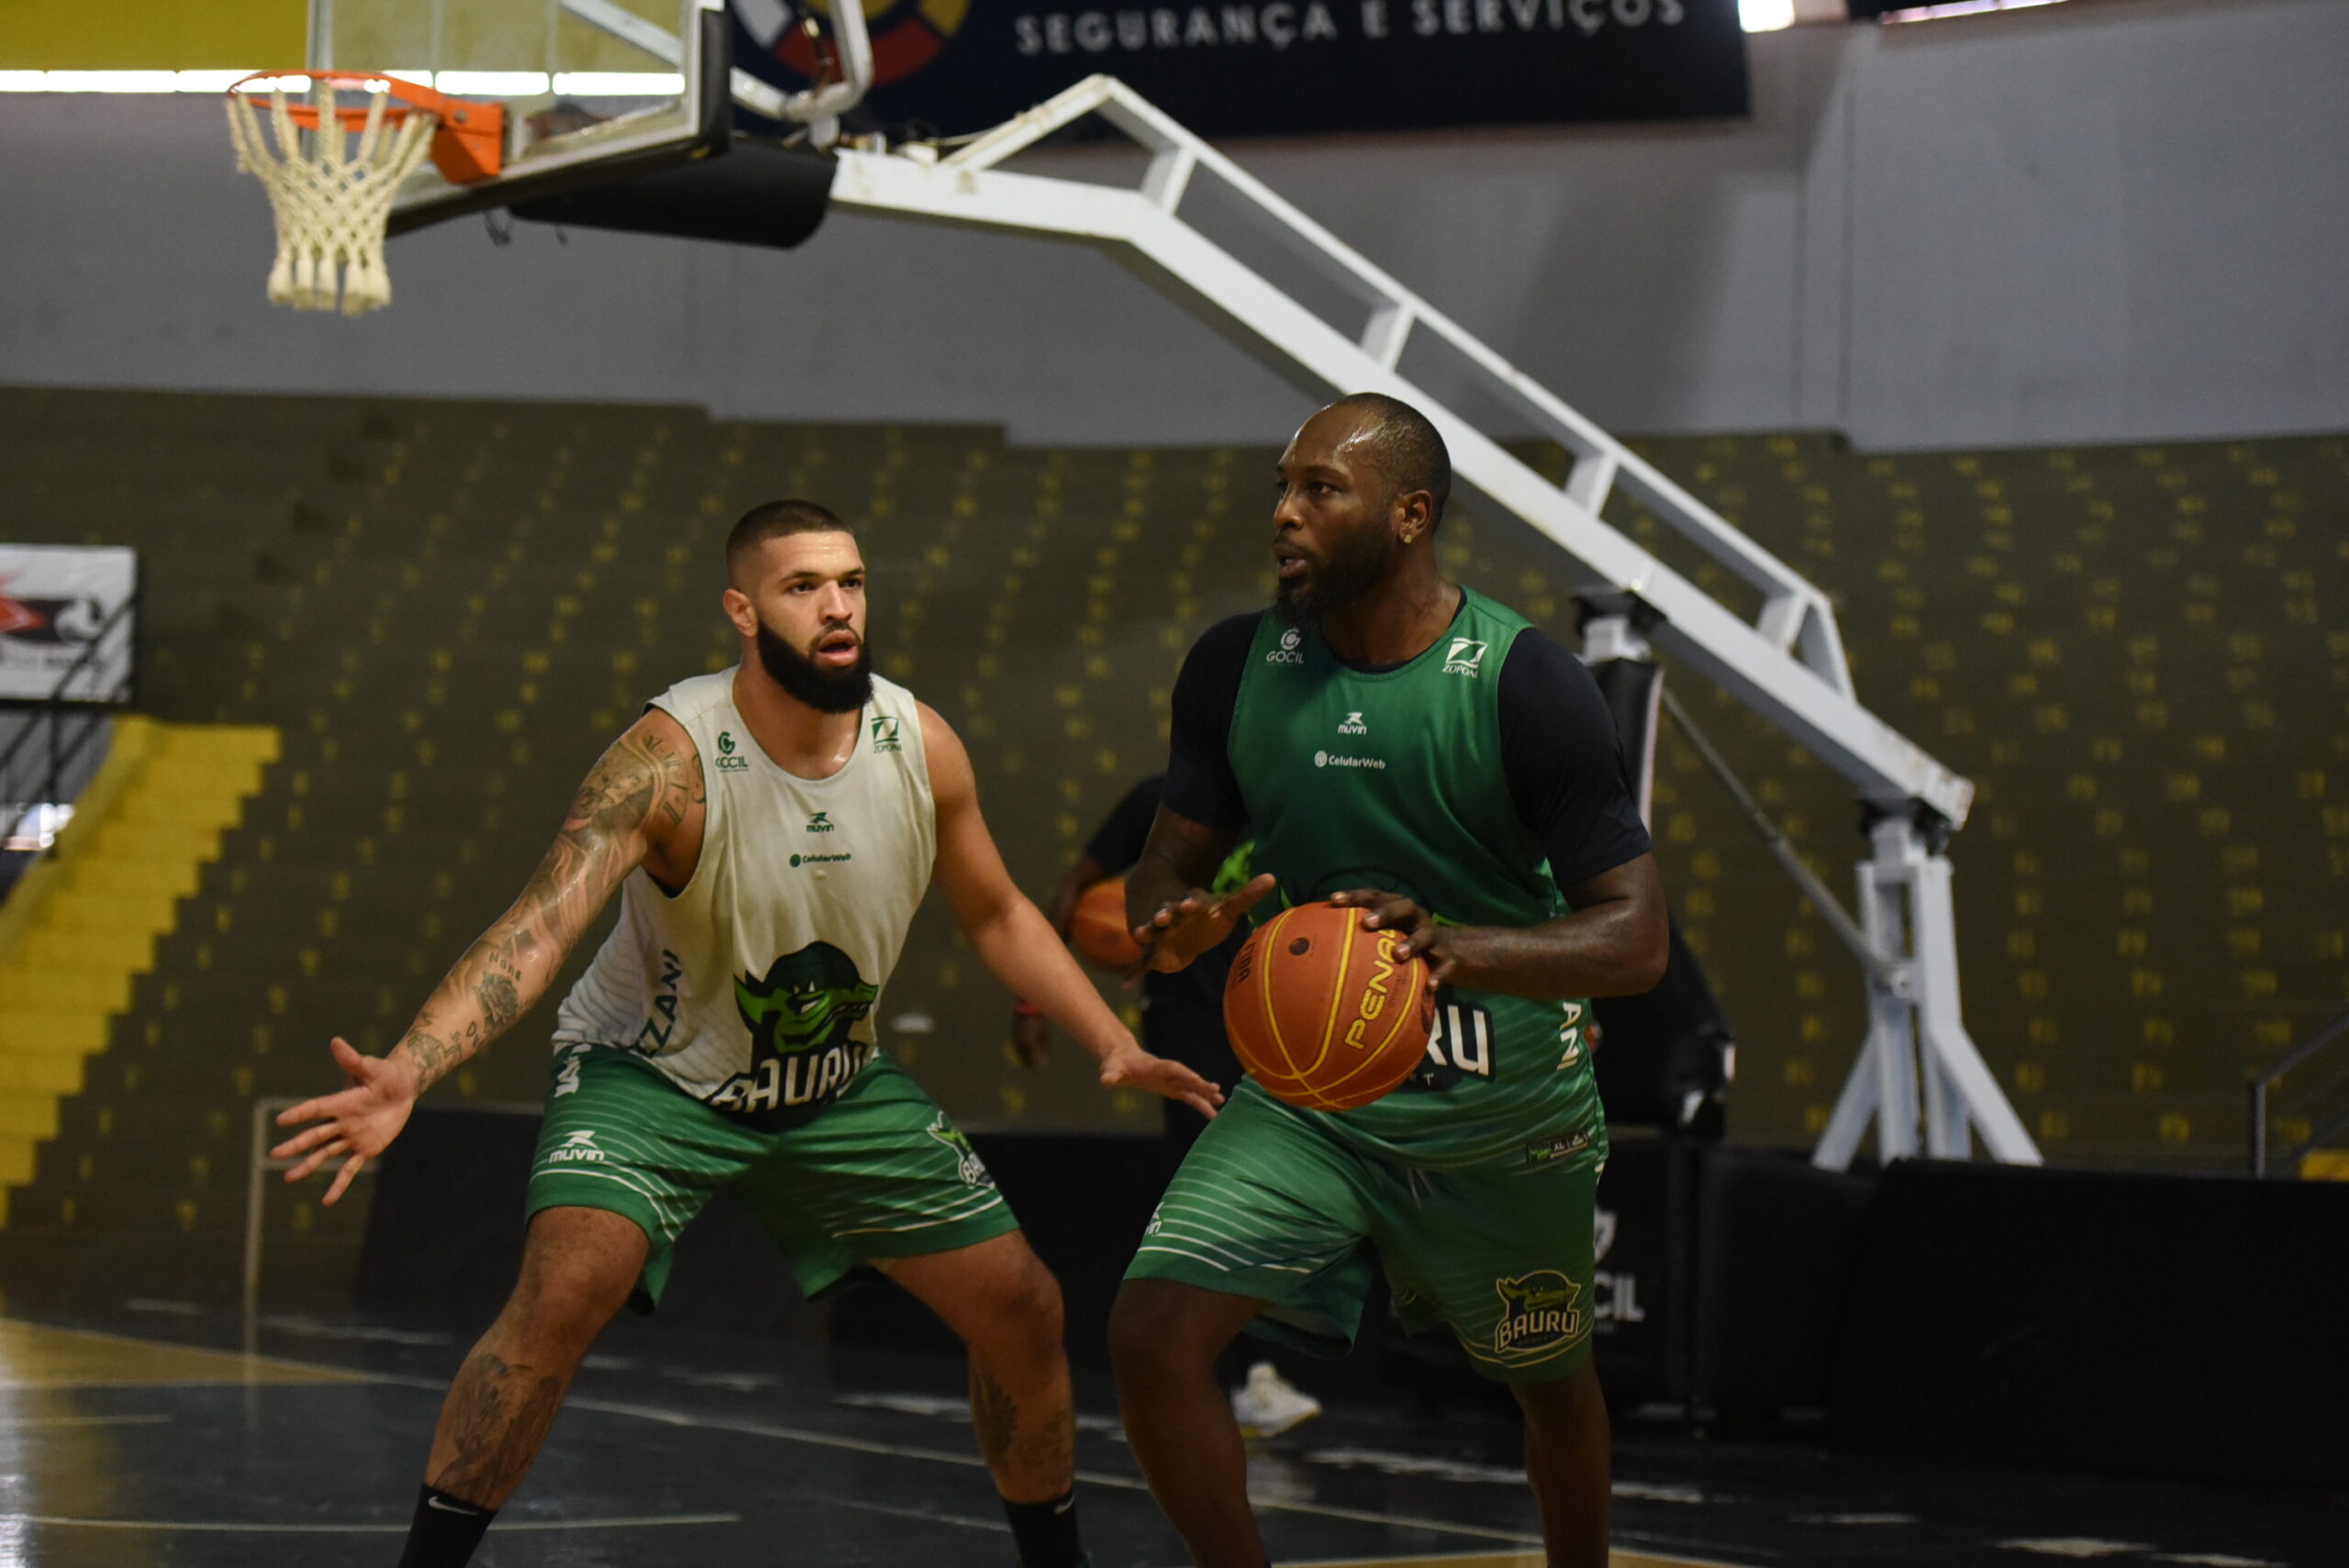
<point>972,1168</point>
<point>1287,653</point>
<point>799,1015</point>
<point>1538,1311</point>
<point>727,763</point>
<point>1467,658</point>
<point>1353,726</point>
<point>821,822</point>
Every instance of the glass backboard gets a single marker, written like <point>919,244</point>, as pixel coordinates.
<point>592,88</point>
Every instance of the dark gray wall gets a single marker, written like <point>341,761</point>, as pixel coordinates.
<point>2110,222</point>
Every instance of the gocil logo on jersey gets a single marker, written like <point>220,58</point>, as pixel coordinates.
<point>1538,1310</point>
<point>1466,657</point>
<point>799,1015</point>
<point>1287,653</point>
<point>886,736</point>
<point>578,1148</point>
<point>727,763</point>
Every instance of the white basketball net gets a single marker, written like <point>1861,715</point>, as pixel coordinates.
<point>330,191</point>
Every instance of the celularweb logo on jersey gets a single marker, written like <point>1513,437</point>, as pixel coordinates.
<point>1332,760</point>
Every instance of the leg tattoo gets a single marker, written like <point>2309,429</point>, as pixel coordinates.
<point>496,1417</point>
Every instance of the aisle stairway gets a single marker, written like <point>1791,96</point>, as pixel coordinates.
<point>82,923</point>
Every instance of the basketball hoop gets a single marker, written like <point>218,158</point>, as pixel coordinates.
<point>330,190</point>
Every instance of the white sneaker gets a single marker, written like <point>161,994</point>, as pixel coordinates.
<point>1268,1404</point>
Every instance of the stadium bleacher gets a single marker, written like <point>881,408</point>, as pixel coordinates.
<point>447,608</point>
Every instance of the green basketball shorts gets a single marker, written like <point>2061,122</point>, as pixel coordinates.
<point>1268,1204</point>
<point>881,1173</point>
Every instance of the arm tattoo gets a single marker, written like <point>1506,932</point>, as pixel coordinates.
<point>1181,854</point>
<point>641,789</point>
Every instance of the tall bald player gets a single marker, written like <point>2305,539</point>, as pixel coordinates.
<point>771,829</point>
<point>1402,744</point>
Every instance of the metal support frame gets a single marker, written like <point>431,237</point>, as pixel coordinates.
<point>2265,1161</point>
<point>1787,664</point>
<point>1917,1058</point>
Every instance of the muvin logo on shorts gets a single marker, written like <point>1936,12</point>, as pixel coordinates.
<point>578,1147</point>
<point>1538,1311</point>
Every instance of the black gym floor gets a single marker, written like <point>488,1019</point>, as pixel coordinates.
<point>149,1435</point>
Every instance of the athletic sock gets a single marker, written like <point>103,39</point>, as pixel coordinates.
<point>1045,1533</point>
<point>445,1530</point>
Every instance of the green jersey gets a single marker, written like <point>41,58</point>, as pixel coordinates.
<point>1404,779</point>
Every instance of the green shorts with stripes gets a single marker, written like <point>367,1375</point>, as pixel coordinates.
<point>1267,1204</point>
<point>879,1173</point>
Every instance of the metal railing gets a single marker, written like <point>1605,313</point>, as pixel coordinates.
<point>45,771</point>
<point>2264,1162</point>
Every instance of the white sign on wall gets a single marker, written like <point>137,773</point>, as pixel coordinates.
<point>54,602</point>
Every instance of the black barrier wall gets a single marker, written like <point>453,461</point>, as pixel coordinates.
<point>2192,1326</point>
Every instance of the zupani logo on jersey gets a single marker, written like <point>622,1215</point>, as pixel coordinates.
<point>799,1015</point>
<point>1538,1311</point>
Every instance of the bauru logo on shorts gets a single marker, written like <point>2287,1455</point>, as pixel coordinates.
<point>1538,1311</point>
<point>973,1169</point>
<point>809,998</point>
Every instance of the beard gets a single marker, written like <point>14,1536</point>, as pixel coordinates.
<point>1354,566</point>
<point>824,690</point>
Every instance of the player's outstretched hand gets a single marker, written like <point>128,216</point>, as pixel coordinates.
<point>354,1125</point>
<point>1182,930</point>
<point>1129,1066</point>
<point>1386,911</point>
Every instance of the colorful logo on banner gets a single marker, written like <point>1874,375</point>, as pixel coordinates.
<point>906,35</point>
<point>1274,67</point>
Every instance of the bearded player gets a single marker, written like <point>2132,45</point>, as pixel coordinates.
<point>771,829</point>
<point>1397,743</point>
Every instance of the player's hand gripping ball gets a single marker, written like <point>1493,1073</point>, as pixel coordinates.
<point>1323,1013</point>
<point>1098,927</point>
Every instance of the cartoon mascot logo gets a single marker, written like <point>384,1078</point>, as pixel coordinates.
<point>1537,1311</point>
<point>808,1000</point>
<point>973,1170</point>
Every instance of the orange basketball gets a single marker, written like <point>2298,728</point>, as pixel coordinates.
<point>1322,1013</point>
<point>1097,928</point>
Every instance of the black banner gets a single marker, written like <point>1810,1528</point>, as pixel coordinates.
<point>1282,67</point>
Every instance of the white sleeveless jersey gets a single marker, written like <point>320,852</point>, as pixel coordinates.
<point>753,989</point>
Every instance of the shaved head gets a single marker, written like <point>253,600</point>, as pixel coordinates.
<point>1403,446</point>
<point>774,519</point>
